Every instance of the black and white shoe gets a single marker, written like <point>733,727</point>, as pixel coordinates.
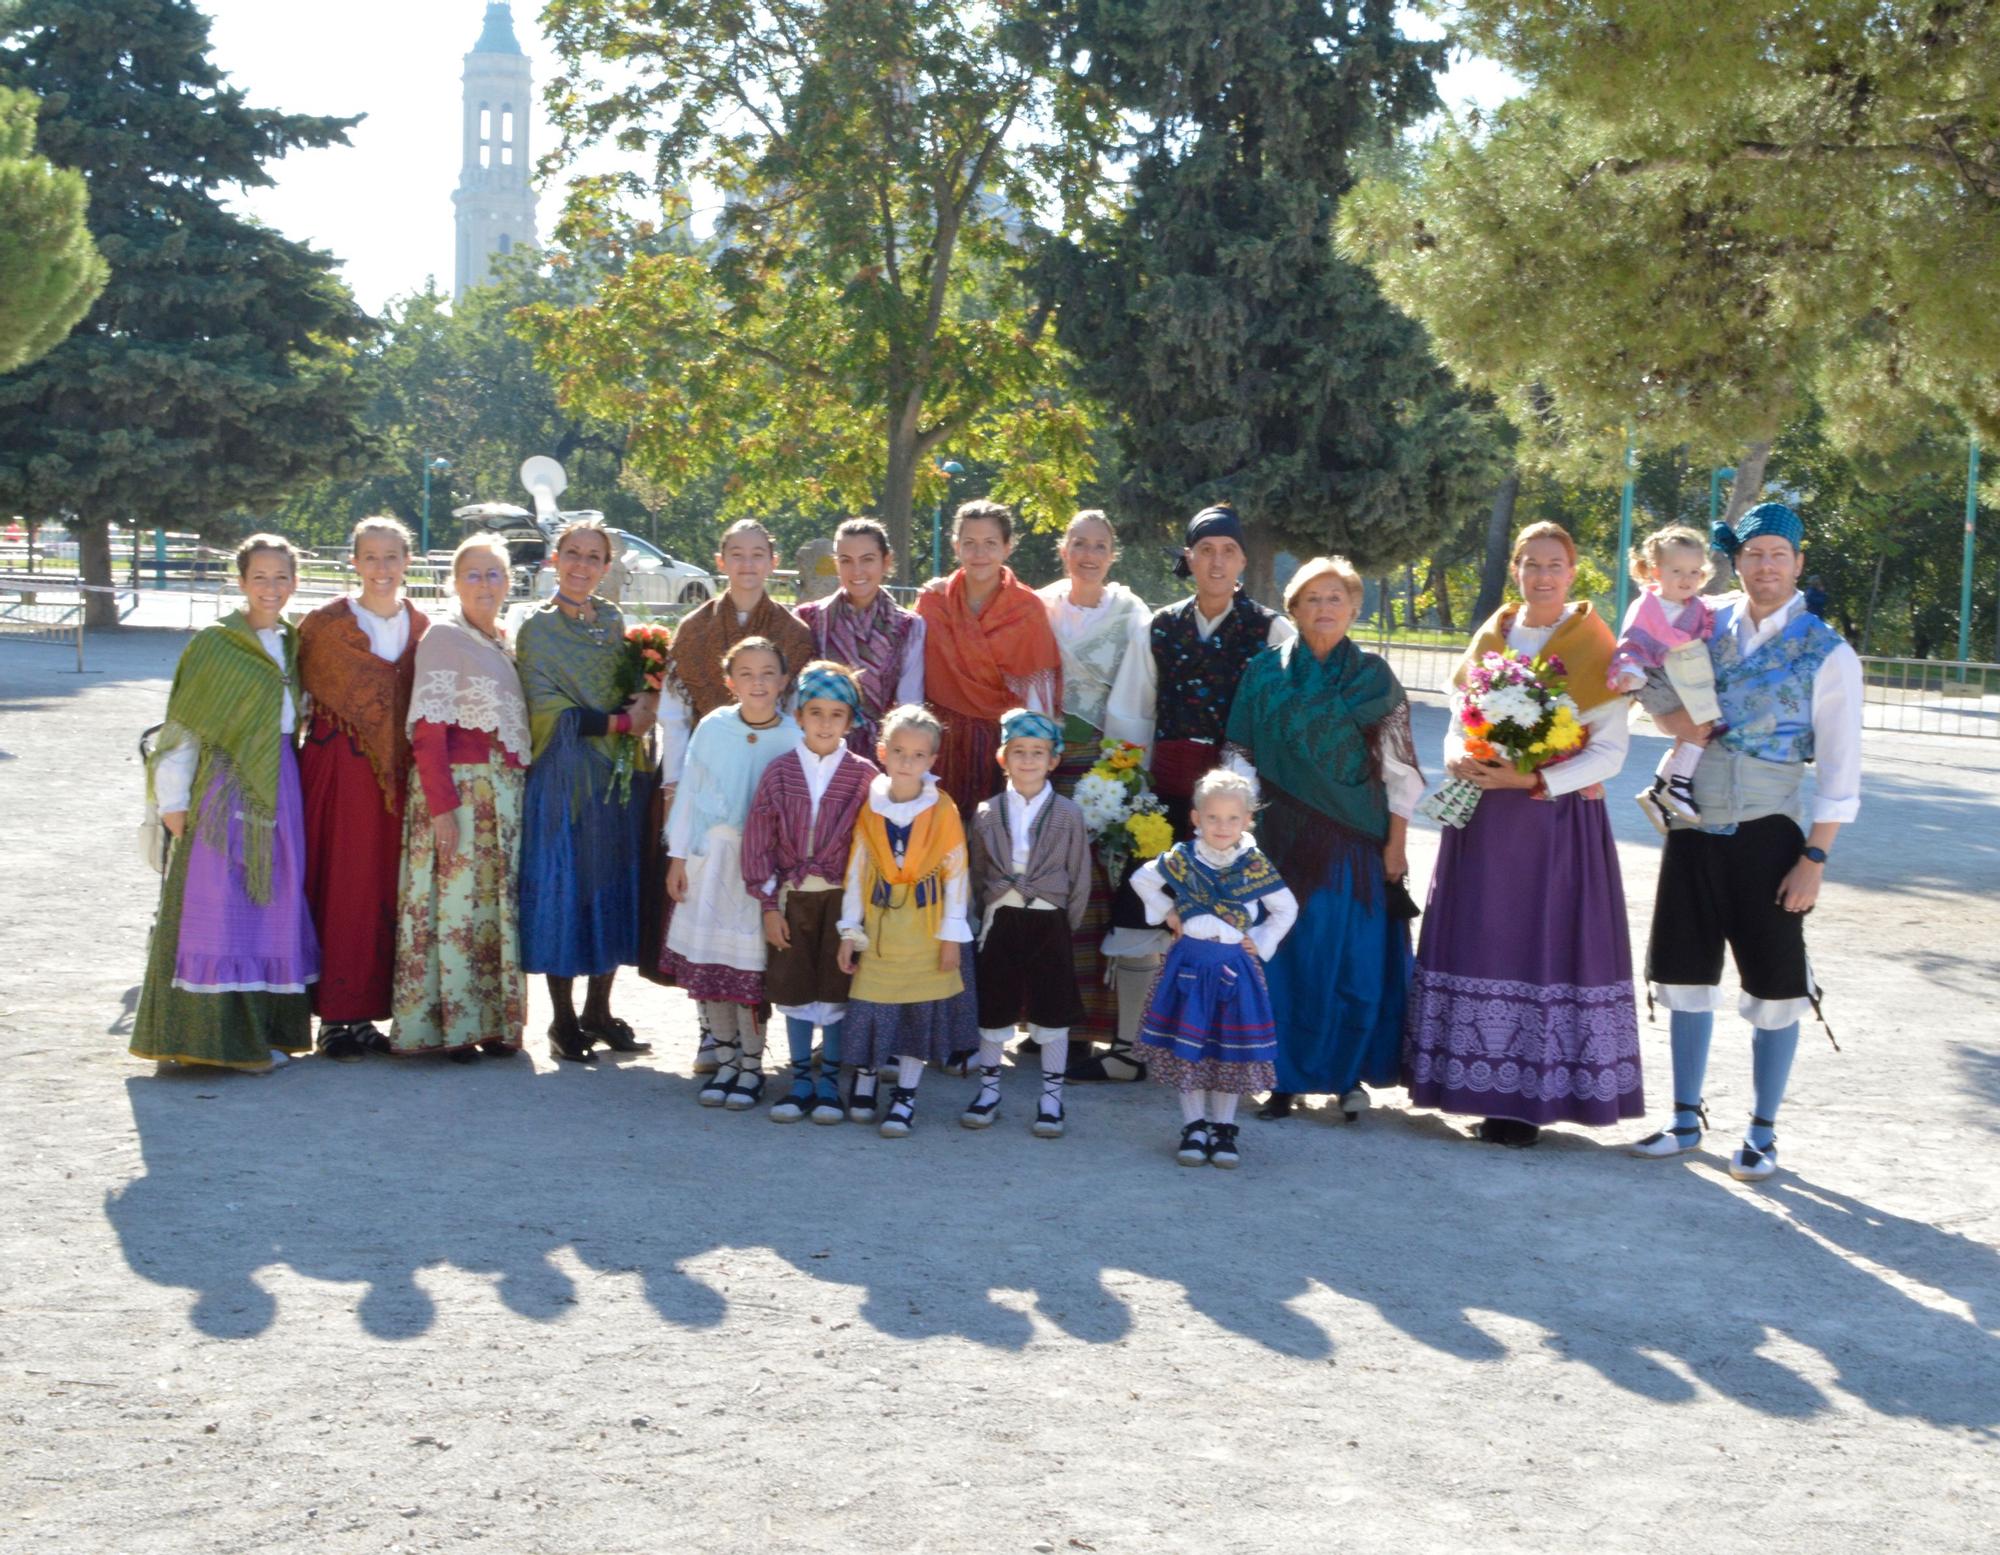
<point>1222,1149</point>
<point>1654,809</point>
<point>1664,1144</point>
<point>984,1110</point>
<point>1194,1145</point>
<point>1049,1120</point>
<point>902,1113</point>
<point>745,1091</point>
<point>1677,799</point>
<point>716,1089</point>
<point>1753,1163</point>
<point>862,1099</point>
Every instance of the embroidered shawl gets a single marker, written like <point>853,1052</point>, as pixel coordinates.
<point>1314,729</point>
<point>228,698</point>
<point>565,666</point>
<point>870,642</point>
<point>1583,642</point>
<point>981,665</point>
<point>934,854</point>
<point>366,698</point>
<point>710,631</point>
<point>1091,662</point>
<point>1648,636</point>
<point>466,679</point>
<point>1230,893</point>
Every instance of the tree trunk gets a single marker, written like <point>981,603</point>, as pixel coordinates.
<point>898,496</point>
<point>1743,494</point>
<point>1438,586</point>
<point>1409,596</point>
<point>1499,528</point>
<point>93,554</point>
<point>1874,593</point>
<point>1260,577</point>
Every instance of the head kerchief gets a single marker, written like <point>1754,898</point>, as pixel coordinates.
<point>1212,523</point>
<point>825,685</point>
<point>1766,518</point>
<point>1022,724</point>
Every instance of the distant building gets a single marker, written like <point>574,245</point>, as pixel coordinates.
<point>495,198</point>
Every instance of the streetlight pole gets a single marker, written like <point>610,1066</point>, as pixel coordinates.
<point>950,468</point>
<point>1965,572</point>
<point>1715,479</point>
<point>1624,527</point>
<point>442,466</point>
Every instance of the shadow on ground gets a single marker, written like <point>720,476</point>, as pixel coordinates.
<point>1653,1274</point>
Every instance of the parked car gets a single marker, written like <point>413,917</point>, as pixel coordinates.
<point>646,575</point>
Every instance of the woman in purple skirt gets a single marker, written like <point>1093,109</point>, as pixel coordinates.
<point>1522,1012</point>
<point>233,948</point>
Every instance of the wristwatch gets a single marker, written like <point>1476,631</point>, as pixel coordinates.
<point>1817,855</point>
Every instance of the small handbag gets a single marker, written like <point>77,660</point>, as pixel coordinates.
<point>1402,905</point>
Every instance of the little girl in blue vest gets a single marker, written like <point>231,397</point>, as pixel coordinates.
<point>1208,1028</point>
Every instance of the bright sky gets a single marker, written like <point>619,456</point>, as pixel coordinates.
<point>384,205</point>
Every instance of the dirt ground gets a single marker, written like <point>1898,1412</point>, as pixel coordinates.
<point>416,1307</point>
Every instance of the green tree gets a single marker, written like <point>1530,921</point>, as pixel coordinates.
<point>859,316</point>
<point>1697,220</point>
<point>1244,358</point>
<point>213,372</point>
<point>50,271</point>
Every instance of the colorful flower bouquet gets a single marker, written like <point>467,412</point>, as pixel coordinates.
<point>1126,819</point>
<point>642,673</point>
<point>1511,709</point>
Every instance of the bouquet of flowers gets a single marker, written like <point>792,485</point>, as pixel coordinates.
<point>1126,819</point>
<point>1511,709</point>
<point>642,673</point>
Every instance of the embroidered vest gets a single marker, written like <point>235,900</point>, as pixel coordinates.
<point>1198,679</point>
<point>1767,696</point>
<point>1229,894</point>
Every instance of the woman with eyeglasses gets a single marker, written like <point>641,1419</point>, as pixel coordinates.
<point>459,988</point>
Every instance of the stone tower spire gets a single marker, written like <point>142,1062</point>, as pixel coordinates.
<point>495,200</point>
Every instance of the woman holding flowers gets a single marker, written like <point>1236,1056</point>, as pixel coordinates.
<point>1104,633</point>
<point>459,988</point>
<point>1522,1013</point>
<point>589,793</point>
<point>1325,730</point>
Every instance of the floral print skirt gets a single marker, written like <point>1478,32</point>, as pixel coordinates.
<point>458,942</point>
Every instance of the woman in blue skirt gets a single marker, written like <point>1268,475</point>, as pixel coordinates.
<point>1207,1030</point>
<point>589,792</point>
<point>1325,730</point>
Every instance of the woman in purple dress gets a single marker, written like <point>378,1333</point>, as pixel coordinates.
<point>1522,1013</point>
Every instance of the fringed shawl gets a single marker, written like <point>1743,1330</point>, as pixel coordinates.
<point>709,632</point>
<point>870,642</point>
<point>564,667</point>
<point>1229,894</point>
<point>228,698</point>
<point>934,854</point>
<point>1314,729</point>
<point>466,679</point>
<point>366,698</point>
<point>981,665</point>
<point>1582,641</point>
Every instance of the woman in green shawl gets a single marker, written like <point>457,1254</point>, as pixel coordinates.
<point>233,948</point>
<point>589,791</point>
<point>1325,730</point>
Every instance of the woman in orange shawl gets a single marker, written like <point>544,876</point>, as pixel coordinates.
<point>357,662</point>
<point>988,647</point>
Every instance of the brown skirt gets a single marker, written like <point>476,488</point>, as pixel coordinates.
<point>808,973</point>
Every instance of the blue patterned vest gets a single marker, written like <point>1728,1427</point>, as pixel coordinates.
<point>1198,679</point>
<point>1767,697</point>
<point>1230,893</point>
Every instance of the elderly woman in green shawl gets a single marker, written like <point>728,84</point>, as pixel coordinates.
<point>589,790</point>
<point>1325,730</point>
<point>233,952</point>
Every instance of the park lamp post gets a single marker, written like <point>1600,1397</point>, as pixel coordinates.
<point>949,469</point>
<point>1625,495</point>
<point>1965,566</point>
<point>442,466</point>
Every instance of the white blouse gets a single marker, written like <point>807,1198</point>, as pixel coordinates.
<point>387,636</point>
<point>173,777</point>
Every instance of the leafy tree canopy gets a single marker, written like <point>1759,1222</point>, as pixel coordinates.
<point>50,271</point>
<point>1699,219</point>
<point>859,318</point>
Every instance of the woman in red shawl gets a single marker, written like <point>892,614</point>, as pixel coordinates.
<point>357,660</point>
<point>988,647</point>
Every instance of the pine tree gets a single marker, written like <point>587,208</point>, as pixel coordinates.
<point>50,271</point>
<point>1243,357</point>
<point>211,374</point>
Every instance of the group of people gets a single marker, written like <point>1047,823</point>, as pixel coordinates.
<point>856,817</point>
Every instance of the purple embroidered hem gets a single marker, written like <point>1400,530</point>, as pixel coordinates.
<point>717,984</point>
<point>1522,1006</point>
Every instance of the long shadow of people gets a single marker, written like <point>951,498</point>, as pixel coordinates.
<point>1660,1278</point>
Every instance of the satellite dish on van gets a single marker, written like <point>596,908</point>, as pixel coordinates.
<point>545,481</point>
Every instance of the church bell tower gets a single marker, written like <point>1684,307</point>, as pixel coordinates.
<point>495,200</point>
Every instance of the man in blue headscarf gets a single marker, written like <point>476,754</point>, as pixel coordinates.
<point>1745,877</point>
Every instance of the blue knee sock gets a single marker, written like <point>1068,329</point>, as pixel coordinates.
<point>799,1037</point>
<point>1771,1054</point>
<point>1691,1031</point>
<point>829,1048</point>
